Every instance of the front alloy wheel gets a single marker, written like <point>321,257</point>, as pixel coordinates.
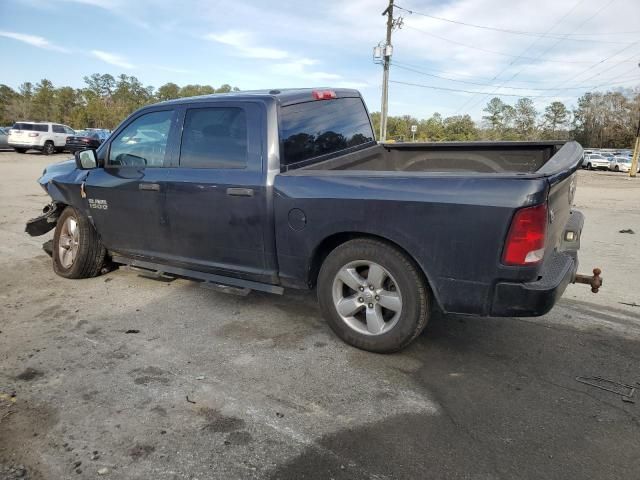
<point>69,242</point>
<point>77,249</point>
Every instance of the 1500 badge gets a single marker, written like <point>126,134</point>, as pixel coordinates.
<point>98,204</point>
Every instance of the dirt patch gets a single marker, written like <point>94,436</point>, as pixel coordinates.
<point>217,422</point>
<point>138,451</point>
<point>149,375</point>
<point>22,437</point>
<point>238,438</point>
<point>29,374</point>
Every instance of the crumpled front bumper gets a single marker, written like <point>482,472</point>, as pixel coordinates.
<point>45,222</point>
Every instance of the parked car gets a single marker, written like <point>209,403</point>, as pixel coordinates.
<point>44,136</point>
<point>4,137</point>
<point>85,139</point>
<point>289,188</point>
<point>595,161</point>
<point>620,164</point>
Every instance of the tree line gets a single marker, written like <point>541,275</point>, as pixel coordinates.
<point>103,102</point>
<point>599,119</point>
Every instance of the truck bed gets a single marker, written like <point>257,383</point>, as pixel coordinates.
<point>480,157</point>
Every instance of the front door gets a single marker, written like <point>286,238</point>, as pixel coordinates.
<point>216,199</point>
<point>126,198</point>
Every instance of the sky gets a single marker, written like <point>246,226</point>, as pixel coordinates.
<point>546,49</point>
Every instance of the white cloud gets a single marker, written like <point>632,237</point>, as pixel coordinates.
<point>33,40</point>
<point>246,46</point>
<point>298,68</point>
<point>112,58</point>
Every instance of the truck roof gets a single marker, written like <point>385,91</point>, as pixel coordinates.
<point>285,96</point>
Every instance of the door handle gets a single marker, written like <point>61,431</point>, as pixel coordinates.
<point>154,187</point>
<point>240,192</point>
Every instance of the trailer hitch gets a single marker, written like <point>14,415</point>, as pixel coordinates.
<point>594,280</point>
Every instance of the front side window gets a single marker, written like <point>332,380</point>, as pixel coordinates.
<point>321,127</point>
<point>214,138</point>
<point>143,143</point>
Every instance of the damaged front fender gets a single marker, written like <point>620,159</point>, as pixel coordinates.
<point>45,222</point>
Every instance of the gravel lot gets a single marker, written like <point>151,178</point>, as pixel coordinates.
<point>215,386</point>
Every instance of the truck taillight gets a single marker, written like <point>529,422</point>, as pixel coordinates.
<point>526,238</point>
<point>324,94</point>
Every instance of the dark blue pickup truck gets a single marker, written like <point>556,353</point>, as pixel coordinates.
<point>270,189</point>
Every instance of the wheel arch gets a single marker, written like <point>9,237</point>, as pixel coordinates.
<point>331,242</point>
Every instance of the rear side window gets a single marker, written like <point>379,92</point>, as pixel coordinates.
<point>58,129</point>
<point>214,138</point>
<point>32,127</point>
<point>322,127</point>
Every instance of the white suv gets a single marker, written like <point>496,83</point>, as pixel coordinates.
<point>44,136</point>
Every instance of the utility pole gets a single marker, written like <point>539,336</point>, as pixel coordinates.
<point>636,148</point>
<point>386,60</point>
<point>636,152</point>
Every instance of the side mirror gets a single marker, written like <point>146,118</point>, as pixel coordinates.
<point>86,159</point>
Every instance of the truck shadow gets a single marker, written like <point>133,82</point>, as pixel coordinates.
<point>509,407</point>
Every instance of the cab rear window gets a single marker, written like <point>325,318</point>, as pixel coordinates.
<point>322,127</point>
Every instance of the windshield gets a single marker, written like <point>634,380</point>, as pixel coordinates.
<point>596,157</point>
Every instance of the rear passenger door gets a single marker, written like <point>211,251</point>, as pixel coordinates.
<point>216,198</point>
<point>59,135</point>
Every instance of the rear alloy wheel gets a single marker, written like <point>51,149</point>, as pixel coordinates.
<point>48,148</point>
<point>77,250</point>
<point>373,296</point>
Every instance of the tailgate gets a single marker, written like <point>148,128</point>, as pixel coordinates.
<point>561,171</point>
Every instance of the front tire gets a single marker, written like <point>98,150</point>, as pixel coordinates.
<point>616,168</point>
<point>20,150</point>
<point>77,250</point>
<point>589,166</point>
<point>373,296</point>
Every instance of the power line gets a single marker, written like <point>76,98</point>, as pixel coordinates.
<point>494,52</point>
<point>506,30</point>
<point>557,22</point>
<point>587,20</point>
<point>468,91</point>
<point>476,77</point>
<point>404,67</point>
<point>597,64</point>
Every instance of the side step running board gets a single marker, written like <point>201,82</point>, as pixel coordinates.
<point>156,270</point>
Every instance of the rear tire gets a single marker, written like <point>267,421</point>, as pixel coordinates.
<point>48,148</point>
<point>382,319</point>
<point>77,250</point>
<point>20,150</point>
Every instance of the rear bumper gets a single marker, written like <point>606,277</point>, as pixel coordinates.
<point>558,270</point>
<point>27,145</point>
<point>536,298</point>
